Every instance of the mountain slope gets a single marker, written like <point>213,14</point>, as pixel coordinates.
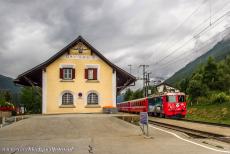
<point>219,52</point>
<point>6,83</point>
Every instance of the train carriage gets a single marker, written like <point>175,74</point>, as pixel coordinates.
<point>165,104</point>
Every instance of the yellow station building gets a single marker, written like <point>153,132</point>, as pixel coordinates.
<point>77,79</point>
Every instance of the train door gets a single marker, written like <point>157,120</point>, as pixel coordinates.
<point>151,104</point>
<point>162,107</point>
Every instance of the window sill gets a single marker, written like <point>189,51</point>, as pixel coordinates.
<point>66,80</point>
<point>92,81</point>
<point>92,106</point>
<point>67,106</point>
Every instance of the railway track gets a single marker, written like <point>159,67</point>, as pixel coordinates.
<point>202,122</point>
<point>192,132</point>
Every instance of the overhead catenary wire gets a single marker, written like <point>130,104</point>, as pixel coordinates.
<point>198,34</point>
<point>176,59</point>
<point>199,25</point>
<point>183,22</point>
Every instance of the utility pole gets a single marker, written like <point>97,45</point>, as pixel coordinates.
<point>130,69</point>
<point>148,81</point>
<point>144,78</point>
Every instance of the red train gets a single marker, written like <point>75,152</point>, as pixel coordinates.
<point>163,105</point>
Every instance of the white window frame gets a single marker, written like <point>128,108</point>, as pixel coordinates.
<point>68,67</point>
<point>67,73</point>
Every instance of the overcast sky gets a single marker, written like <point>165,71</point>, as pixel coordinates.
<point>151,32</point>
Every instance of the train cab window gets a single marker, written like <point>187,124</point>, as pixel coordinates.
<point>171,98</point>
<point>181,98</point>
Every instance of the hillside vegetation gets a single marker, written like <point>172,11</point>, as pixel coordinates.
<point>219,52</point>
<point>210,113</point>
<point>209,91</point>
<point>18,95</point>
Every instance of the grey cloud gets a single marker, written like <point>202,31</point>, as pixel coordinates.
<point>127,32</point>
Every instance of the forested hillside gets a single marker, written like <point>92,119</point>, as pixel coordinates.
<point>209,91</point>
<point>7,85</point>
<point>219,52</point>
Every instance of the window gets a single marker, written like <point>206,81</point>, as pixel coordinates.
<point>181,98</point>
<point>171,98</point>
<point>67,99</point>
<point>67,73</point>
<point>92,98</point>
<point>91,74</point>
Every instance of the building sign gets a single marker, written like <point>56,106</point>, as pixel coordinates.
<point>85,57</point>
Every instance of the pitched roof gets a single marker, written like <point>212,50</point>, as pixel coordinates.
<point>35,74</point>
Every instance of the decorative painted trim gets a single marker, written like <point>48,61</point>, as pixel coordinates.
<point>82,57</point>
<point>44,91</point>
<point>67,66</point>
<point>114,88</point>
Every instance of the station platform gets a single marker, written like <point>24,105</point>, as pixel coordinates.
<point>96,133</point>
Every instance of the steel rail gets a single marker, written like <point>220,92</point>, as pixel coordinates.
<point>192,132</point>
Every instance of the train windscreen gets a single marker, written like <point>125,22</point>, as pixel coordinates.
<point>171,98</point>
<point>181,98</point>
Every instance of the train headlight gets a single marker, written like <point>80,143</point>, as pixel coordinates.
<point>177,104</point>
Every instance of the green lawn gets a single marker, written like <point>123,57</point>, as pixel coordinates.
<point>217,113</point>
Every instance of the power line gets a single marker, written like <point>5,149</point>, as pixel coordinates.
<point>198,34</point>
<point>178,59</point>
<point>186,19</point>
<point>200,24</point>
<point>170,61</point>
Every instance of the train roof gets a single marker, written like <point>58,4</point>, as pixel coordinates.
<point>167,93</point>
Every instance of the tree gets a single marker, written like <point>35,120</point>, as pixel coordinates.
<point>31,99</point>
<point>8,96</point>
<point>137,94</point>
<point>128,95</point>
<point>183,85</point>
<point>210,76</point>
<point>196,87</point>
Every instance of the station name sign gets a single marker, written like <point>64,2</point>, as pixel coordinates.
<point>144,118</point>
<point>85,57</point>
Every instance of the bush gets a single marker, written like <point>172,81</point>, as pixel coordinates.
<point>220,97</point>
<point>203,100</point>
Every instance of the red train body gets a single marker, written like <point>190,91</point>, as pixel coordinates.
<point>167,104</point>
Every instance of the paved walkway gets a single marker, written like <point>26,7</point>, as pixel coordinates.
<point>90,133</point>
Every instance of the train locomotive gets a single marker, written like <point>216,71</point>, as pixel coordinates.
<point>167,104</point>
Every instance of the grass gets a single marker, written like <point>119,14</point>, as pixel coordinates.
<point>216,113</point>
